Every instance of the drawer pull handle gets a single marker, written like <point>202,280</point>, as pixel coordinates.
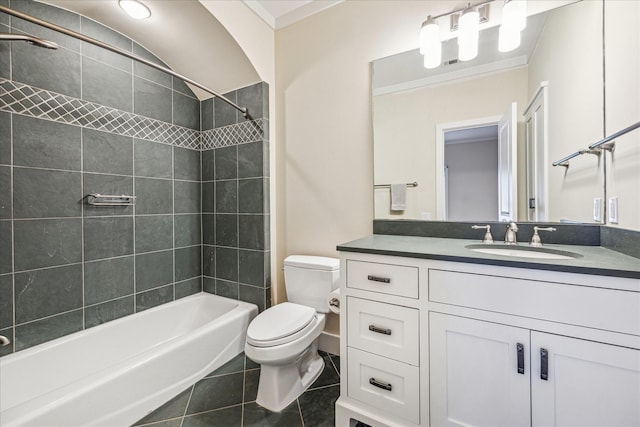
<point>378,384</point>
<point>374,328</point>
<point>378,279</point>
<point>520,353</point>
<point>544,364</point>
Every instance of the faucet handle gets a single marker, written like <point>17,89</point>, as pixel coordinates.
<point>535,239</point>
<point>488,238</point>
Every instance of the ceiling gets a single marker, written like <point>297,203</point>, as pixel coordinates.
<point>281,13</point>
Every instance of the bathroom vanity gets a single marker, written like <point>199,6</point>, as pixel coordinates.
<point>435,333</point>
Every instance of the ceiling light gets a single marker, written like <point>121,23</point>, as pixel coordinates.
<point>468,33</point>
<point>508,38</point>
<point>135,9</point>
<point>430,45</point>
<point>514,13</point>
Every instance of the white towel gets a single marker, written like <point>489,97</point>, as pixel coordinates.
<point>398,197</point>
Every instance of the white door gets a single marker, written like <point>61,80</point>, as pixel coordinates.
<point>535,118</point>
<point>588,384</point>
<point>479,373</point>
<point>507,164</point>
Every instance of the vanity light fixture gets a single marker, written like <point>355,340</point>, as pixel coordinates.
<point>430,44</point>
<point>135,9</point>
<point>514,20</point>
<point>468,34</point>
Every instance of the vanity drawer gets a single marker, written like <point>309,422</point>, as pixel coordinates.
<point>606,309</point>
<point>388,385</point>
<point>384,329</point>
<point>391,279</point>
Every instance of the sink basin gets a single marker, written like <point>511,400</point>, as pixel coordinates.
<point>523,251</point>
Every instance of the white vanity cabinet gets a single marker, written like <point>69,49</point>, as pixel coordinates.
<point>435,343</point>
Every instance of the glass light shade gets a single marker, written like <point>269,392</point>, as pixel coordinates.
<point>468,29</point>
<point>135,9</point>
<point>514,14</point>
<point>508,38</point>
<point>433,55</point>
<point>430,45</point>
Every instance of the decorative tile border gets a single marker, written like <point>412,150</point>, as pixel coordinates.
<point>27,100</point>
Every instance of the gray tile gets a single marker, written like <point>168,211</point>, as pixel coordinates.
<point>6,246</point>
<point>251,160</point>
<point>227,417</point>
<point>209,285</point>
<point>108,279</point>
<point>32,65</point>
<point>208,261</point>
<point>4,18</point>
<point>250,364</point>
<point>109,185</point>
<point>217,392</point>
<point>187,196</point>
<point>234,365</point>
<point>226,198</point>
<point>107,152</point>
<point>149,73</point>
<point>208,229</point>
<point>227,230</point>
<point>174,422</point>
<point>251,268</point>
<point>153,159</point>
<point>6,301</point>
<point>187,230</point>
<point>255,415</point>
<point>186,111</point>
<point>251,233</point>
<point>154,297</point>
<point>256,99</point>
<point>208,165</point>
<point>251,382</point>
<point>7,349</point>
<point>224,114</point>
<point>45,144</point>
<point>98,31</point>
<point>5,66</point>
<point>153,270</point>
<point>188,263</point>
<point>227,264</point>
<point>105,312</point>
<point>253,295</point>
<point>154,233</point>
<point>106,85</point>
<point>46,193</point>
<point>253,195</point>
<point>154,196</point>
<point>206,114</point>
<point>208,197</point>
<point>52,14</point>
<point>226,162</point>
<point>42,293</point>
<point>34,333</point>
<point>329,376</point>
<point>47,242</point>
<point>172,409</point>
<point>5,138</point>
<point>151,100</point>
<point>107,237</point>
<point>5,192</point>
<point>188,287</point>
<point>318,406</point>
<point>186,164</point>
<point>227,289</point>
<point>182,87</point>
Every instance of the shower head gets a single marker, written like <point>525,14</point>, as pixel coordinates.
<point>36,41</point>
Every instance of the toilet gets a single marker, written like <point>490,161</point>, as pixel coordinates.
<point>284,338</point>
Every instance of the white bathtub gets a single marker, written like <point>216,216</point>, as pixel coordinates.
<point>116,373</point>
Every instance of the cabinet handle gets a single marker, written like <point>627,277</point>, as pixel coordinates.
<point>378,279</point>
<point>544,364</point>
<point>520,352</point>
<point>374,328</point>
<point>378,384</point>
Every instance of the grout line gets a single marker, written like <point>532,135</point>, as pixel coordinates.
<point>300,411</point>
<point>186,407</point>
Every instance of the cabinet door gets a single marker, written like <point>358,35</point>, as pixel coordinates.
<point>587,383</point>
<point>474,374</point>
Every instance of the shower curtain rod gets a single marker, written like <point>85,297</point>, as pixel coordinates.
<point>54,27</point>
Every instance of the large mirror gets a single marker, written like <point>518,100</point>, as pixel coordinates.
<point>479,137</point>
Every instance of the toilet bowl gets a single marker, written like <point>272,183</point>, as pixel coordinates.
<point>284,338</point>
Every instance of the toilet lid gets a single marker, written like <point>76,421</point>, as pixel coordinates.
<point>278,322</point>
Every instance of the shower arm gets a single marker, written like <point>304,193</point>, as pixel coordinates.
<point>54,27</point>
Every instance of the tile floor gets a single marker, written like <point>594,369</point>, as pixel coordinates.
<point>226,397</point>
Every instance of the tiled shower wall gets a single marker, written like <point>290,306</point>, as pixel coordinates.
<point>81,120</point>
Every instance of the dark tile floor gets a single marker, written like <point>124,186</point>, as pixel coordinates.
<point>226,397</point>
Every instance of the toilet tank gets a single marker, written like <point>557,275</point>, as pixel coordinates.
<point>309,279</point>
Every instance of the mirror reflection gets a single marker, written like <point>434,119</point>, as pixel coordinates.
<point>479,136</point>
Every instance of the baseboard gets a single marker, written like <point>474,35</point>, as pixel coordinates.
<point>329,342</point>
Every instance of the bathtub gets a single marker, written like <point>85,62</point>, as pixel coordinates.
<point>118,372</point>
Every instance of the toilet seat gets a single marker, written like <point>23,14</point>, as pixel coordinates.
<point>280,324</point>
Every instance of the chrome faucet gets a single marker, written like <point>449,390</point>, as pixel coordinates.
<point>488,238</point>
<point>535,239</point>
<point>510,237</point>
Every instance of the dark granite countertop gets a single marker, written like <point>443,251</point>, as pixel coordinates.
<point>594,260</point>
